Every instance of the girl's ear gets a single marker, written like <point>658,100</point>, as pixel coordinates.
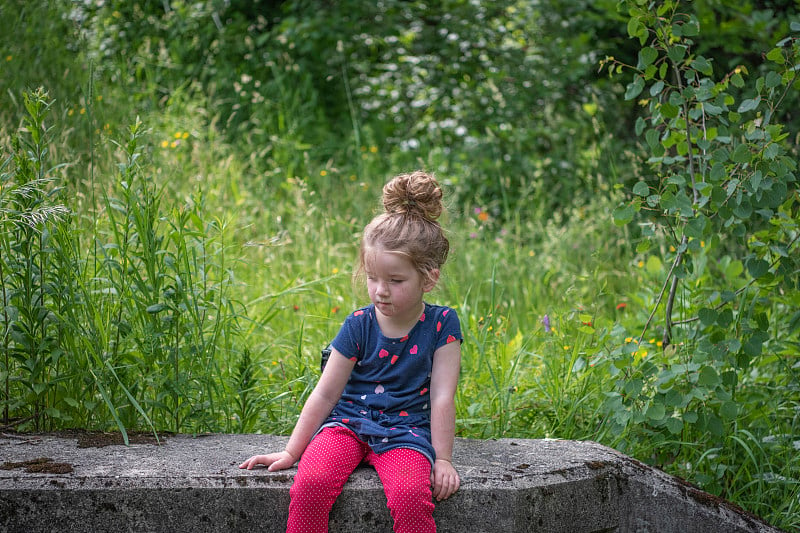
<point>431,279</point>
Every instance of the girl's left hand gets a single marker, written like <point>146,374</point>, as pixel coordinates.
<point>444,479</point>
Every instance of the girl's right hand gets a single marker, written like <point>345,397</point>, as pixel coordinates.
<point>273,461</point>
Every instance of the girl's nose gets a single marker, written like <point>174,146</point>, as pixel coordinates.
<point>382,288</point>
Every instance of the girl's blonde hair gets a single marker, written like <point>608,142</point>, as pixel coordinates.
<point>412,204</point>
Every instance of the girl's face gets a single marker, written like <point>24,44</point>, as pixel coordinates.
<point>395,286</point>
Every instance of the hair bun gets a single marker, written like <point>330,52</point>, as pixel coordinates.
<point>417,193</point>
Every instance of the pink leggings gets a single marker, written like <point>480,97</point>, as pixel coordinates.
<point>330,459</point>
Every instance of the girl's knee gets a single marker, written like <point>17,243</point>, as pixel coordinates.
<point>311,484</point>
<point>410,493</point>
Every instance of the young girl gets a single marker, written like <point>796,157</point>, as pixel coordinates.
<point>387,393</point>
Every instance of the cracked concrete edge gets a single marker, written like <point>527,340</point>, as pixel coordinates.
<point>527,472</point>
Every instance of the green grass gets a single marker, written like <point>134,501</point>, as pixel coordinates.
<point>198,274</point>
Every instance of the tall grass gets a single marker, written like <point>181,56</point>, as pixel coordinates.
<point>157,275</point>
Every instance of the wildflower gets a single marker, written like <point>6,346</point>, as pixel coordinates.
<point>373,149</point>
<point>83,111</point>
<point>323,172</point>
<point>566,347</point>
<point>640,264</point>
<point>177,135</point>
<point>296,307</point>
<point>546,323</point>
<point>335,309</point>
<point>9,58</point>
<point>335,271</point>
<point>621,306</point>
<point>483,216</point>
<point>185,135</point>
<point>70,112</point>
<point>164,144</point>
<point>174,144</point>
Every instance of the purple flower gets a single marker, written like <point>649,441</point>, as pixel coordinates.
<point>546,323</point>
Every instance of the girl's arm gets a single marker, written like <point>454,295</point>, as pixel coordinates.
<point>444,379</point>
<point>316,409</point>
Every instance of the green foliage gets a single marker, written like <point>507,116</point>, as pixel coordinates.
<point>203,261</point>
<point>30,351</point>
<point>720,209</point>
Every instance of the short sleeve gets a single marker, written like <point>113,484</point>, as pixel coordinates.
<point>349,341</point>
<point>448,327</point>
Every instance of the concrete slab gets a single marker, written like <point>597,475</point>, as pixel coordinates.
<point>193,483</point>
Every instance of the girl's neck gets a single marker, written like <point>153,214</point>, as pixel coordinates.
<point>397,327</point>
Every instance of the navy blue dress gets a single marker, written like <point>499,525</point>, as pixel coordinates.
<point>386,401</point>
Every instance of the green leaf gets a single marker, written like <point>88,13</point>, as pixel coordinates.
<point>776,56</point>
<point>729,410</point>
<point>641,189</point>
<point>757,267</point>
<point>741,154</point>
<point>707,316</point>
<point>676,53</point>
<point>717,172</point>
<point>669,110</point>
<point>696,226</point>
<point>674,425</point>
<point>634,88</point>
<point>773,80</point>
<point>656,88</point>
<point>708,377</point>
<point>701,64</point>
<point>749,104</point>
<point>623,214</point>
<point>640,125</point>
<point>647,55</point>
<point>656,412</point>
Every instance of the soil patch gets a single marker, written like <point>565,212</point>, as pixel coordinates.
<point>41,465</point>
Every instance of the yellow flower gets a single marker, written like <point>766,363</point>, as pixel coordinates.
<point>71,112</point>
<point>9,58</point>
<point>164,144</point>
<point>177,135</point>
<point>640,264</point>
<point>185,135</point>
<point>373,149</point>
<point>323,172</point>
<point>335,271</point>
<point>174,144</point>
<point>566,347</point>
<point>671,248</point>
<point>83,111</point>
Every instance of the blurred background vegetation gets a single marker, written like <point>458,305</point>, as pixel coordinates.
<point>182,186</point>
